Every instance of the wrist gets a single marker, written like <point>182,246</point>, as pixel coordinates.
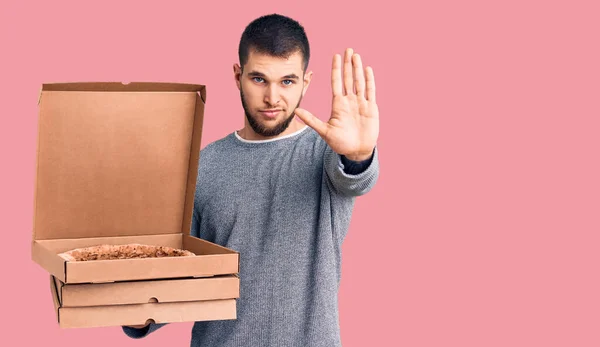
<point>360,157</point>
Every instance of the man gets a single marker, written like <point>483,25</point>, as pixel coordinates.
<point>281,193</point>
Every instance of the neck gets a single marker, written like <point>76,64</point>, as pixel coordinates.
<point>247,133</point>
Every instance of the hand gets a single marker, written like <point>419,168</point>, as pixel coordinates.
<point>353,128</point>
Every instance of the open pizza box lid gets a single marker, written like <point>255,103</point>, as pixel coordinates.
<point>117,164</point>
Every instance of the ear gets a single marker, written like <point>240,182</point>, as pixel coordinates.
<point>237,74</point>
<point>307,79</point>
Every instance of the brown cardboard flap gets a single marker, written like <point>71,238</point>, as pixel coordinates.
<point>59,289</point>
<point>193,168</point>
<point>55,299</point>
<point>48,260</point>
<point>171,312</point>
<point>116,163</point>
<point>200,246</point>
<point>143,292</point>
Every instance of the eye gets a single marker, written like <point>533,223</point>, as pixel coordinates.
<point>256,79</point>
<point>288,84</point>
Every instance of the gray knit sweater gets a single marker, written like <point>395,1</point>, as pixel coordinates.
<point>285,205</point>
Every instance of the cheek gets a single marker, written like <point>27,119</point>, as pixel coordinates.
<point>291,96</point>
<point>251,92</point>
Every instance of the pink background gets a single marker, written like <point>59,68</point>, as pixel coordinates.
<point>483,229</point>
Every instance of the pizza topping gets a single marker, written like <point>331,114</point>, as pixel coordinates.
<point>130,251</point>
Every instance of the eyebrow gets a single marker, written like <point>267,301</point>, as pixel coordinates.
<point>260,74</point>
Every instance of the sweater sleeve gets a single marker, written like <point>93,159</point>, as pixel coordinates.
<point>143,332</point>
<point>352,167</point>
<point>351,178</point>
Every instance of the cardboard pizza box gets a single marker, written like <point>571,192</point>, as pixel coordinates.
<point>140,313</point>
<point>149,291</point>
<point>117,164</point>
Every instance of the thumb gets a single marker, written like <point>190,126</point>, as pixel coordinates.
<point>312,121</point>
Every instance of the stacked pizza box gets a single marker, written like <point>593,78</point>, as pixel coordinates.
<point>116,166</point>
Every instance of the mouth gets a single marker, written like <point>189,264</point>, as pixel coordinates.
<point>270,113</point>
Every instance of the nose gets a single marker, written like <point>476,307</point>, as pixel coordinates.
<point>271,96</point>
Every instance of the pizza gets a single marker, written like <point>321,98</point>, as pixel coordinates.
<point>128,251</point>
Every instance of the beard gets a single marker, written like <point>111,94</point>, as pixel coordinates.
<point>262,129</point>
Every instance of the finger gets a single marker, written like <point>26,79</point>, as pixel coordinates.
<point>359,77</point>
<point>336,75</point>
<point>312,121</point>
<point>348,80</point>
<point>370,84</point>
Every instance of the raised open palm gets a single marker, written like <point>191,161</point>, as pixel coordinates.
<point>353,127</point>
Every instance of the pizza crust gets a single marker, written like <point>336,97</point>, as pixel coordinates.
<point>128,251</point>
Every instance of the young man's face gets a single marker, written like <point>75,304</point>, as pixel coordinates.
<point>271,88</point>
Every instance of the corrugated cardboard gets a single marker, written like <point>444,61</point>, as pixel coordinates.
<point>117,164</point>
<point>152,291</point>
<point>138,314</point>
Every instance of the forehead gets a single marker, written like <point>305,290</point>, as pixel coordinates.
<point>274,66</point>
